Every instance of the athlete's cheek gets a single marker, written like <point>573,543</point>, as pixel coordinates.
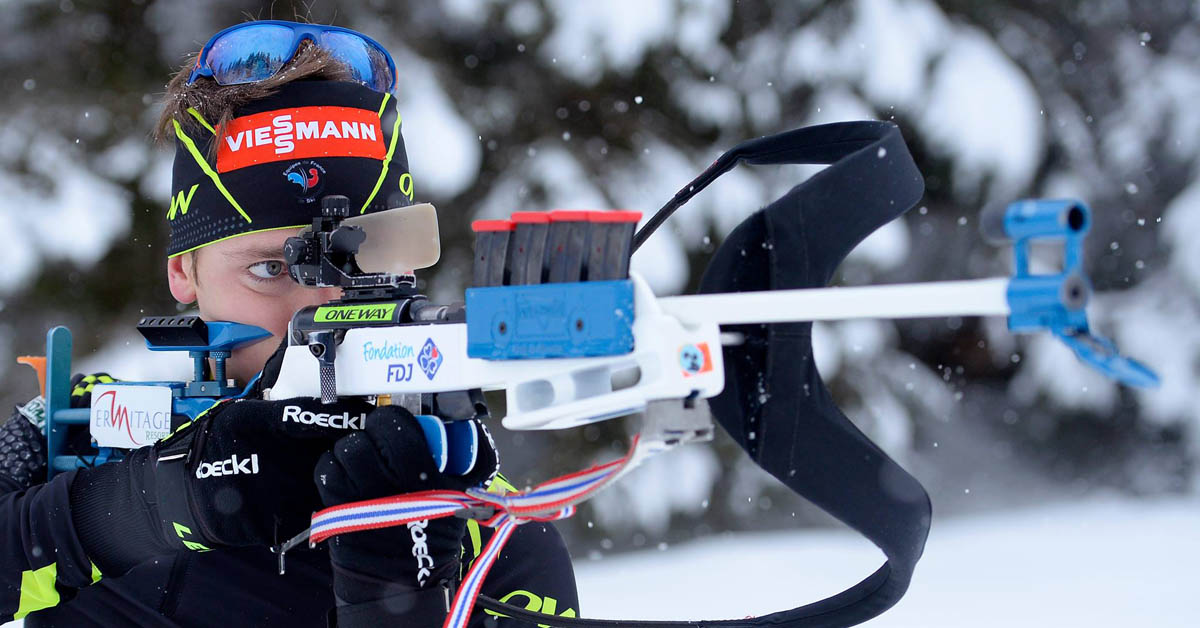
<point>298,296</point>
<point>270,313</point>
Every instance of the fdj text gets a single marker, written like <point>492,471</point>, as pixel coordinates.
<point>400,372</point>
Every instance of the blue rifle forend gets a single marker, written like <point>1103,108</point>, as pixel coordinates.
<point>1056,302</point>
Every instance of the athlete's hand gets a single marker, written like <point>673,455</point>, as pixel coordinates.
<point>234,477</point>
<point>82,385</point>
<point>22,438</point>
<point>22,452</point>
<point>397,571</point>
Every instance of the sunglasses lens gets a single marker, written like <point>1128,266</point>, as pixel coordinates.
<point>367,63</point>
<point>250,54</point>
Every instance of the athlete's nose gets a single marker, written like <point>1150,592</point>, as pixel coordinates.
<point>301,296</point>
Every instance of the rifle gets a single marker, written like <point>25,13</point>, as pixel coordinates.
<point>558,322</point>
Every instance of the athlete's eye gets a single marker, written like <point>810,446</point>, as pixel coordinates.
<point>269,269</point>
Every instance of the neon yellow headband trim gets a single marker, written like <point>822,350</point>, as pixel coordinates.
<point>199,118</point>
<point>387,159</point>
<point>216,179</point>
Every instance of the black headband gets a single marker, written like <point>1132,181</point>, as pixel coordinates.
<point>278,156</point>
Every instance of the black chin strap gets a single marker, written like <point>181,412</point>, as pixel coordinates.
<point>775,404</point>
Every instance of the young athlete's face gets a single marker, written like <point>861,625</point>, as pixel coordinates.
<point>245,280</point>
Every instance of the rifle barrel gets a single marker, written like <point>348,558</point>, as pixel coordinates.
<point>978,297</point>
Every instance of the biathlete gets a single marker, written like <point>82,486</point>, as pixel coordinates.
<point>269,118</point>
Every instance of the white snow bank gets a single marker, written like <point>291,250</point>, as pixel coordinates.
<point>1098,564</point>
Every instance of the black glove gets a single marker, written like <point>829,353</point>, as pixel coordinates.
<point>22,453</point>
<point>82,385</point>
<point>399,571</point>
<point>23,440</point>
<point>234,477</point>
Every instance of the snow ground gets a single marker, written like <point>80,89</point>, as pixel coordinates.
<point>1096,564</point>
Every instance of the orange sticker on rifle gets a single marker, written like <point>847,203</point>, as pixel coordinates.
<point>695,359</point>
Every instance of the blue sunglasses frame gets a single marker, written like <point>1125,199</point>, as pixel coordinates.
<point>300,32</point>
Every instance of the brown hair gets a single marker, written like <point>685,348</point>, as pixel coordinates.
<point>216,103</point>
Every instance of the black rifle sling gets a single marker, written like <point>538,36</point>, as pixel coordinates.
<point>775,404</point>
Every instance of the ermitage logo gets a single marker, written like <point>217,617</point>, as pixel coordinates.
<point>420,550</point>
<point>308,176</point>
<point>343,421</point>
<point>430,359</point>
<point>229,466</point>
<point>121,417</point>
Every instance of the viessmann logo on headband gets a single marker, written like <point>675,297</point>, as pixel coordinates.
<point>299,133</point>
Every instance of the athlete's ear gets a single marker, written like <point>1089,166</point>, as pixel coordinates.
<point>181,276</point>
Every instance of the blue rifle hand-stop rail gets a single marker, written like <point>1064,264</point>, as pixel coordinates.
<point>1056,302</point>
<point>199,338</point>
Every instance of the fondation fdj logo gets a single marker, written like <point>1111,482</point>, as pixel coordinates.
<point>430,359</point>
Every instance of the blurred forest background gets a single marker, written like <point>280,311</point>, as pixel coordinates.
<point>540,104</point>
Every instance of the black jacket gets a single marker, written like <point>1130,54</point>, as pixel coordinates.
<point>46,577</point>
